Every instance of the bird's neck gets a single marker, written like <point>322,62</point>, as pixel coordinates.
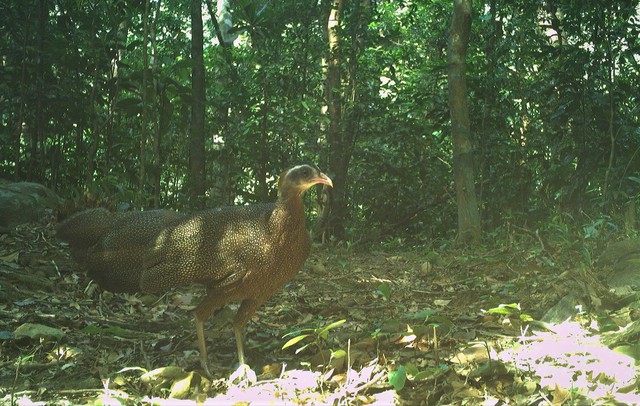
<point>291,202</point>
<point>289,208</point>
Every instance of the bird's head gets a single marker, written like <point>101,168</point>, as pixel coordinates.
<point>299,178</point>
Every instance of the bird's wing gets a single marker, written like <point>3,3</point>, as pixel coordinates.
<point>212,247</point>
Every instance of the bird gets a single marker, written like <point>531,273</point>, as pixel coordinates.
<point>111,245</point>
<point>239,253</point>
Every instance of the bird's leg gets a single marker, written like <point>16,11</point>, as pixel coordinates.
<point>239,333</point>
<point>210,304</point>
<point>246,310</point>
<point>202,346</point>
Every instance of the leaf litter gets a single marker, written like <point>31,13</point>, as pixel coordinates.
<point>359,326</point>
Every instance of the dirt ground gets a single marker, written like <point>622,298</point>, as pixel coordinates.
<point>385,324</point>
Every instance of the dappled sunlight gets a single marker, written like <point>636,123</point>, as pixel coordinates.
<point>575,359</point>
<point>294,386</point>
<point>570,363</point>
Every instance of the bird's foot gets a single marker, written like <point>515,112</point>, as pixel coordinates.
<point>207,372</point>
<point>243,376</point>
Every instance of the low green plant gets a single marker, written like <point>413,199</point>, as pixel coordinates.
<point>398,378</point>
<point>314,336</point>
<point>512,312</point>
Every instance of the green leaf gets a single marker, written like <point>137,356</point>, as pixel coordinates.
<point>325,330</point>
<point>634,179</point>
<point>338,354</point>
<point>632,351</point>
<point>304,347</point>
<point>506,309</point>
<point>298,332</point>
<point>398,378</point>
<point>294,340</point>
<point>411,369</point>
<point>26,358</point>
<point>384,290</point>
<point>526,318</point>
<point>115,331</point>
<point>422,375</point>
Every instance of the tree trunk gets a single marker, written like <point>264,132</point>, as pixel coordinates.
<point>19,126</point>
<point>221,153</point>
<point>156,164</point>
<point>94,130</point>
<point>145,100</point>
<point>196,147</point>
<point>262,164</point>
<point>36,160</point>
<point>343,110</point>
<point>121,30</point>
<point>468,216</point>
<point>332,217</point>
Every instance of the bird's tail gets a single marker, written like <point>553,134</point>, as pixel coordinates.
<point>83,230</point>
<point>111,246</point>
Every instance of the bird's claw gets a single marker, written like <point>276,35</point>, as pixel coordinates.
<point>244,376</point>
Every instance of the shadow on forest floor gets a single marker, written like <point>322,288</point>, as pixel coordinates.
<point>420,327</point>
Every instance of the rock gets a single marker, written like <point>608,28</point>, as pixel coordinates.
<point>35,331</point>
<point>624,257</point>
<point>564,310</point>
<point>24,202</point>
<point>618,251</point>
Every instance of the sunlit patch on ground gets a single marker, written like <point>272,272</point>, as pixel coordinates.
<point>573,359</point>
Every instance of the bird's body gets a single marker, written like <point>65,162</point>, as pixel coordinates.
<point>218,247</point>
<point>240,253</point>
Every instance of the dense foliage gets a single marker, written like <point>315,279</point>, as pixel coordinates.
<point>553,94</point>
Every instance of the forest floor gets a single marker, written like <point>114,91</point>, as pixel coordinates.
<point>422,326</point>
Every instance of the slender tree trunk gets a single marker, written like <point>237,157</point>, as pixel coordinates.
<point>145,99</point>
<point>262,164</point>
<point>95,128</point>
<point>353,109</point>
<point>156,167</point>
<point>332,217</point>
<point>343,110</point>
<point>612,112</point>
<point>221,154</point>
<point>121,31</point>
<point>19,126</point>
<point>487,125</point>
<point>36,170</point>
<point>468,216</point>
<point>196,147</point>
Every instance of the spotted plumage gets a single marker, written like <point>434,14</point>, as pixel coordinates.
<point>111,246</point>
<point>240,253</point>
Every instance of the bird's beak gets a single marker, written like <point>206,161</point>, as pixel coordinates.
<point>324,179</point>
